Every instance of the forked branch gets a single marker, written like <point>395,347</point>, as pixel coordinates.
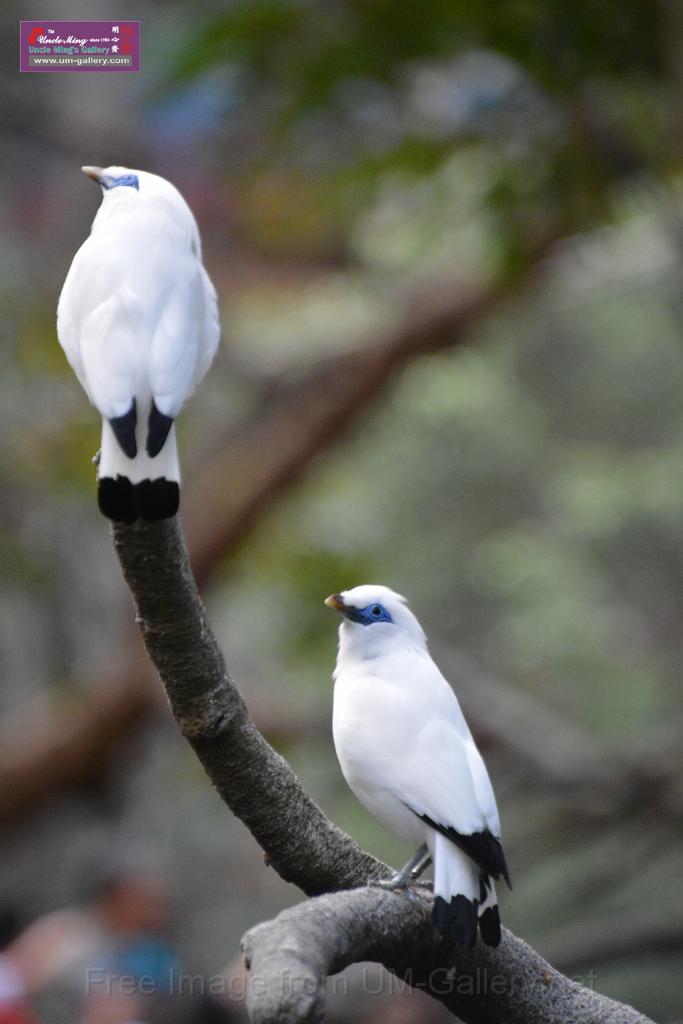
<point>323,935</point>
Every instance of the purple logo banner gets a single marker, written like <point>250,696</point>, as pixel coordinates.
<point>79,45</point>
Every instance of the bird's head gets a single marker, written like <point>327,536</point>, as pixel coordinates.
<point>123,187</point>
<point>375,618</point>
<point>125,183</point>
<point>114,177</point>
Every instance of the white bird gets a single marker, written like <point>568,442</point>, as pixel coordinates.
<point>408,755</point>
<point>138,321</point>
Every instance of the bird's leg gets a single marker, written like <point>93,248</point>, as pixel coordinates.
<point>408,873</point>
<point>422,863</point>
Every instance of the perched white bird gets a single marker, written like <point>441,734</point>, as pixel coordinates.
<point>138,321</point>
<point>408,755</point>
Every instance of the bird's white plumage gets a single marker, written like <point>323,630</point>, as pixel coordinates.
<point>402,741</point>
<point>137,317</point>
<point>138,321</point>
<point>398,730</point>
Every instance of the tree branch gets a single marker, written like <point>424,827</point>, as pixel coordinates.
<point>299,841</point>
<point>254,781</point>
<point>289,958</point>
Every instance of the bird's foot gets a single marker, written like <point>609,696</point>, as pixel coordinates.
<point>396,882</point>
<point>96,457</point>
<point>399,883</point>
<point>408,875</point>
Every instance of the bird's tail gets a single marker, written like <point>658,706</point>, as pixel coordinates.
<point>487,911</point>
<point>131,483</point>
<point>464,898</point>
<point>456,892</point>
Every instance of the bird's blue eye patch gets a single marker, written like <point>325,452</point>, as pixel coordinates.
<point>131,180</point>
<point>374,612</point>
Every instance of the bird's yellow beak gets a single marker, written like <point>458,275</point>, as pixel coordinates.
<point>93,172</point>
<point>335,601</point>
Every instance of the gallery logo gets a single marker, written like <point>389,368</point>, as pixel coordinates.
<point>79,46</point>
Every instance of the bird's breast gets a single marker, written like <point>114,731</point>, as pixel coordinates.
<point>372,736</point>
<point>371,723</point>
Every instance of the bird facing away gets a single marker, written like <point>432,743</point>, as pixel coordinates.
<point>408,755</point>
<point>138,321</point>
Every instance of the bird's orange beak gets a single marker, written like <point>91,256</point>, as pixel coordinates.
<point>93,172</point>
<point>335,601</point>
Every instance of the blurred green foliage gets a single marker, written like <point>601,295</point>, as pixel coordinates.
<point>305,47</point>
<point>576,97</point>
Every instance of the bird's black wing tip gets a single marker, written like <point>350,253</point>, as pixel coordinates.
<point>485,849</point>
<point>504,871</point>
<point>158,427</point>
<point>124,431</point>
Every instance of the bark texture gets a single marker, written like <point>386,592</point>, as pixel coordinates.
<point>290,957</point>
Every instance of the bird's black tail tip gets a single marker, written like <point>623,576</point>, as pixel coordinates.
<point>489,917</point>
<point>124,502</point>
<point>489,926</point>
<point>157,499</point>
<point>457,919</point>
<point>116,499</point>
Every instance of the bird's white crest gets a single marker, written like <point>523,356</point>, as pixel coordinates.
<point>407,753</point>
<point>138,321</point>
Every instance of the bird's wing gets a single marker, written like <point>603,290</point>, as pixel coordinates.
<point>101,329</point>
<point>137,305</point>
<point>186,339</point>
<point>210,331</point>
<point>67,332</point>
<point>175,346</point>
<point>483,787</point>
<point>112,341</point>
<point>443,778</point>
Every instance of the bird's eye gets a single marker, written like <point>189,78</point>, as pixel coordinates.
<point>376,610</point>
